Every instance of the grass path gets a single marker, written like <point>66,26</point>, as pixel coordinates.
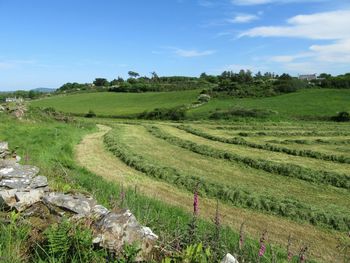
<point>91,154</point>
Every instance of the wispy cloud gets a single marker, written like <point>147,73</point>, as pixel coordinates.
<point>261,2</point>
<point>331,26</point>
<point>189,53</point>
<point>243,18</point>
<point>324,26</point>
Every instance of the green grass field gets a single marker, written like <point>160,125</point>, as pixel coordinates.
<point>284,175</point>
<point>301,104</point>
<point>162,158</point>
<point>117,104</point>
<point>313,102</point>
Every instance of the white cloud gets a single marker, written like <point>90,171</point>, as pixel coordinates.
<point>250,2</point>
<point>243,18</point>
<point>261,2</point>
<point>188,53</point>
<point>331,26</point>
<point>337,52</point>
<point>324,26</point>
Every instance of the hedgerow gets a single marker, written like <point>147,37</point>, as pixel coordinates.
<point>237,196</point>
<point>268,147</point>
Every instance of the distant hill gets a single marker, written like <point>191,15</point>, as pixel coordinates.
<point>44,90</point>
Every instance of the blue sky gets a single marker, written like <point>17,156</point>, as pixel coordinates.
<point>48,43</point>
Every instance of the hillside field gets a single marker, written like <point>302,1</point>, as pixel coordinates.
<point>289,177</point>
<point>117,104</point>
<point>303,193</point>
<point>304,103</point>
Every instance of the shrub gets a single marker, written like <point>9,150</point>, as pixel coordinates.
<point>342,117</point>
<point>203,98</point>
<point>90,114</point>
<point>175,114</point>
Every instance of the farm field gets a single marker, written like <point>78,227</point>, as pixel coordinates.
<point>320,103</point>
<point>303,103</point>
<point>171,153</point>
<point>117,104</point>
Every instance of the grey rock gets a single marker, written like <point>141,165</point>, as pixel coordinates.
<point>6,163</point>
<point>7,198</point>
<point>98,212</point>
<point>4,150</point>
<point>229,259</point>
<point>16,183</point>
<point>38,181</point>
<point>26,199</point>
<point>117,229</point>
<point>4,147</point>
<point>19,171</point>
<point>78,204</point>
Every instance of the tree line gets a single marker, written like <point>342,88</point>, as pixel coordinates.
<point>238,84</point>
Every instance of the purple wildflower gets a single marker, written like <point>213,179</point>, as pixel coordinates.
<point>262,249</point>
<point>302,254</point>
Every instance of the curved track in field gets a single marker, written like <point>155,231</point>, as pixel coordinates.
<point>91,154</point>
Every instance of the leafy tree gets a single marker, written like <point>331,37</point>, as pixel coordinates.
<point>117,81</point>
<point>133,74</point>
<point>154,76</point>
<point>101,82</point>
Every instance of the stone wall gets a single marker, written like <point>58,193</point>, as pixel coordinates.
<point>24,190</point>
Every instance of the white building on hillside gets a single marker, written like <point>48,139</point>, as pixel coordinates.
<point>308,77</point>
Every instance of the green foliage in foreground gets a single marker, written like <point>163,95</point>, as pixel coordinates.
<point>49,145</point>
<point>237,196</point>
<point>268,147</point>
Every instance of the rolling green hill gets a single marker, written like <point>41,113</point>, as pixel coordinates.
<point>304,103</point>
<point>117,104</point>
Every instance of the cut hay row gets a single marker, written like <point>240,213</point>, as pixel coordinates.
<point>290,170</point>
<point>268,147</point>
<point>237,196</point>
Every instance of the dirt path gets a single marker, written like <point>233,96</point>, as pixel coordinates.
<point>91,154</point>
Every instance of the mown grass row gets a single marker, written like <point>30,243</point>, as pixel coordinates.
<point>309,142</point>
<point>292,133</point>
<point>237,196</point>
<point>283,127</point>
<point>290,170</point>
<point>50,146</point>
<point>268,147</point>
